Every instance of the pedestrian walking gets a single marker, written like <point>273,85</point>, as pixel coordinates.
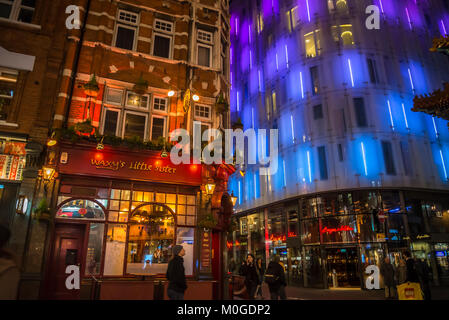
<point>424,275</point>
<point>275,278</point>
<point>9,271</point>
<point>260,272</point>
<point>387,272</point>
<point>402,271</point>
<point>412,275</point>
<point>176,274</point>
<point>250,273</point>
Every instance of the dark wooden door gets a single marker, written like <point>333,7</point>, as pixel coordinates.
<point>67,250</point>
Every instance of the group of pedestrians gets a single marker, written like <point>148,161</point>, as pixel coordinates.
<point>408,270</point>
<point>255,275</point>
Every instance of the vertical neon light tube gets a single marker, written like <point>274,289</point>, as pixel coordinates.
<point>308,9</point>
<point>249,34</point>
<point>255,186</point>
<point>350,70</point>
<point>405,116</point>
<point>444,27</point>
<point>381,6</point>
<point>240,194</point>
<point>435,127</point>
<point>293,129</point>
<point>277,62</point>
<point>411,79</point>
<point>230,78</point>
<point>252,116</point>
<point>391,115</point>
<point>260,80</point>
<point>302,86</point>
<point>236,26</point>
<point>408,18</point>
<point>310,169</point>
<point>444,166</point>
<point>286,55</point>
<point>238,102</point>
<point>250,60</point>
<point>364,159</point>
<point>285,175</point>
<point>230,58</point>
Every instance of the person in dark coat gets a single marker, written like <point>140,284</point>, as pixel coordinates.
<point>412,275</point>
<point>9,271</point>
<point>424,272</point>
<point>259,269</point>
<point>387,272</point>
<point>250,273</point>
<point>176,274</point>
<point>277,285</point>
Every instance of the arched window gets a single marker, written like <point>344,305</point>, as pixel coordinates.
<point>81,209</point>
<point>151,239</point>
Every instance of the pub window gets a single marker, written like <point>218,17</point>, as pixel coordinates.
<point>20,10</point>
<point>202,111</point>
<point>150,240</point>
<point>81,209</point>
<point>135,125</point>
<point>136,100</point>
<point>110,122</point>
<point>312,44</point>
<point>119,205</point>
<point>360,112</point>
<point>205,45</point>
<point>315,80</point>
<point>318,112</point>
<point>388,158</point>
<point>114,96</point>
<point>8,81</point>
<point>157,127</point>
<point>163,35</point>
<point>160,104</point>
<point>322,162</point>
<point>114,256</point>
<point>126,30</point>
<point>94,249</point>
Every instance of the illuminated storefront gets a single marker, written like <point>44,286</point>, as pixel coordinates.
<point>328,240</point>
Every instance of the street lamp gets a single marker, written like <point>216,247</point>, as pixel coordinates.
<point>52,141</point>
<point>48,173</point>
<point>195,98</point>
<point>171,93</point>
<point>210,187</point>
<point>233,198</point>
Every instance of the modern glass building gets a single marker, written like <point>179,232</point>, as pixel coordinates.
<point>360,176</point>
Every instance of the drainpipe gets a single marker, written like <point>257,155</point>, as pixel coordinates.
<point>75,65</point>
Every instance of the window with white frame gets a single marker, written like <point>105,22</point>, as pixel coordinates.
<point>160,104</point>
<point>202,111</point>
<point>20,10</point>
<point>158,124</point>
<point>125,114</point>
<point>204,47</point>
<point>163,36</point>
<point>126,30</point>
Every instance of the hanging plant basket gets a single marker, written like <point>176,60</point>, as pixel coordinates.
<point>84,128</point>
<point>237,125</point>
<point>91,88</point>
<point>42,211</point>
<point>208,222</point>
<point>222,105</point>
<point>141,86</point>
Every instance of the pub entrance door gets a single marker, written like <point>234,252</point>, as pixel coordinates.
<point>67,249</point>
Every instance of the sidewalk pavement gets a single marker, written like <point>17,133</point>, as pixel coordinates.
<point>296,293</point>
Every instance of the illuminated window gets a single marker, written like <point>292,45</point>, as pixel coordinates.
<point>315,80</point>
<point>292,18</point>
<point>259,23</point>
<point>273,99</point>
<point>341,6</point>
<point>8,81</point>
<point>343,34</point>
<point>312,44</point>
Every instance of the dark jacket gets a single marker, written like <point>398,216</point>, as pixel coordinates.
<point>260,274</point>
<point>423,271</point>
<point>176,275</point>
<point>387,272</point>
<point>412,275</point>
<point>277,271</point>
<point>250,274</point>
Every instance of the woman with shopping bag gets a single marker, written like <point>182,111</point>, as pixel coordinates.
<point>411,289</point>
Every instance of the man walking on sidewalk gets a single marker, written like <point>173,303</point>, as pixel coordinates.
<point>275,278</point>
<point>176,274</point>
<point>387,272</point>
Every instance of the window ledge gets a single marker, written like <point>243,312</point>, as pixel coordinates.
<point>8,124</point>
<point>22,25</point>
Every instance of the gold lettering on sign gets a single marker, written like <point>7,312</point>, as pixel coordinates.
<point>109,165</point>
